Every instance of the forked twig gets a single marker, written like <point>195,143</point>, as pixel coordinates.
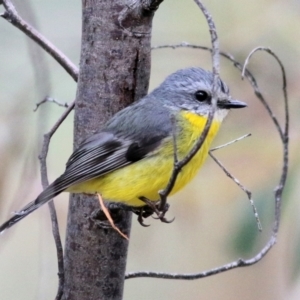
<point>231,142</point>
<point>53,215</point>
<point>282,132</point>
<point>268,50</point>
<point>215,62</point>
<point>52,100</point>
<point>12,16</point>
<point>284,136</point>
<point>248,193</point>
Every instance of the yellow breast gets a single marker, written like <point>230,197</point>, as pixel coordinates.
<point>151,174</point>
<point>192,126</point>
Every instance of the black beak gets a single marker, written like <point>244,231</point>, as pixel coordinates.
<point>227,104</point>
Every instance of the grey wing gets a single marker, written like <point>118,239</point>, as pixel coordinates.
<point>117,146</point>
<point>98,155</point>
<point>103,153</point>
<point>128,137</point>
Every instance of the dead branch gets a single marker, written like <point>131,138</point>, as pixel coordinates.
<point>52,100</point>
<point>53,215</point>
<point>178,165</point>
<point>235,180</point>
<point>284,136</point>
<point>12,16</point>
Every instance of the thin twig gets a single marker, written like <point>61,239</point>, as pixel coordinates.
<point>192,276</point>
<point>248,193</point>
<point>109,218</point>
<point>215,62</point>
<point>43,86</point>
<point>230,143</point>
<point>45,183</point>
<point>278,190</point>
<point>264,102</point>
<point>47,137</point>
<point>59,250</point>
<point>284,135</point>
<point>52,100</point>
<point>12,16</point>
<point>246,73</point>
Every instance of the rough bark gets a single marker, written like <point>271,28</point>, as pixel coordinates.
<point>114,71</point>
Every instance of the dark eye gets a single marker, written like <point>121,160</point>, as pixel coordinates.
<point>202,96</point>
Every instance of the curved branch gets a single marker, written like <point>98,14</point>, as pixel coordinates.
<point>12,16</point>
<point>53,215</point>
<point>284,136</point>
<point>215,62</point>
<point>193,276</point>
<point>284,133</point>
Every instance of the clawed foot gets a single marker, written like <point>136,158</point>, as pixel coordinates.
<point>142,212</point>
<point>150,209</point>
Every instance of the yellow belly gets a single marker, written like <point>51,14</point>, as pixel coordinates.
<point>151,174</point>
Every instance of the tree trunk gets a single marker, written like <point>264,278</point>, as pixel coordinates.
<point>114,72</point>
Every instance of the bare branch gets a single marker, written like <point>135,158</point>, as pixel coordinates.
<point>59,250</point>
<point>215,62</point>
<point>47,138</point>
<point>283,132</point>
<point>284,136</point>
<point>52,100</point>
<point>284,80</point>
<point>248,193</point>
<point>192,276</point>
<point>53,215</point>
<point>12,16</point>
<point>231,142</point>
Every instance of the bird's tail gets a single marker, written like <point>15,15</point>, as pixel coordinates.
<point>45,196</point>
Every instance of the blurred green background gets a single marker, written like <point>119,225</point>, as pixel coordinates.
<point>214,220</point>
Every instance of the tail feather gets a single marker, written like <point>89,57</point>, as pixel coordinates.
<point>50,192</point>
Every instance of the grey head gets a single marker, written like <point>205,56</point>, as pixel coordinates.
<point>191,89</point>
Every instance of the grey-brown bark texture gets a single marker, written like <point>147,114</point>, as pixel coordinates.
<point>114,71</point>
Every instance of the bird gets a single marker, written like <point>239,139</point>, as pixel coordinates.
<point>131,157</point>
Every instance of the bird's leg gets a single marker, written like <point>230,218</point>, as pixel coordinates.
<point>142,212</point>
<point>162,212</point>
<point>156,208</point>
<point>141,218</point>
